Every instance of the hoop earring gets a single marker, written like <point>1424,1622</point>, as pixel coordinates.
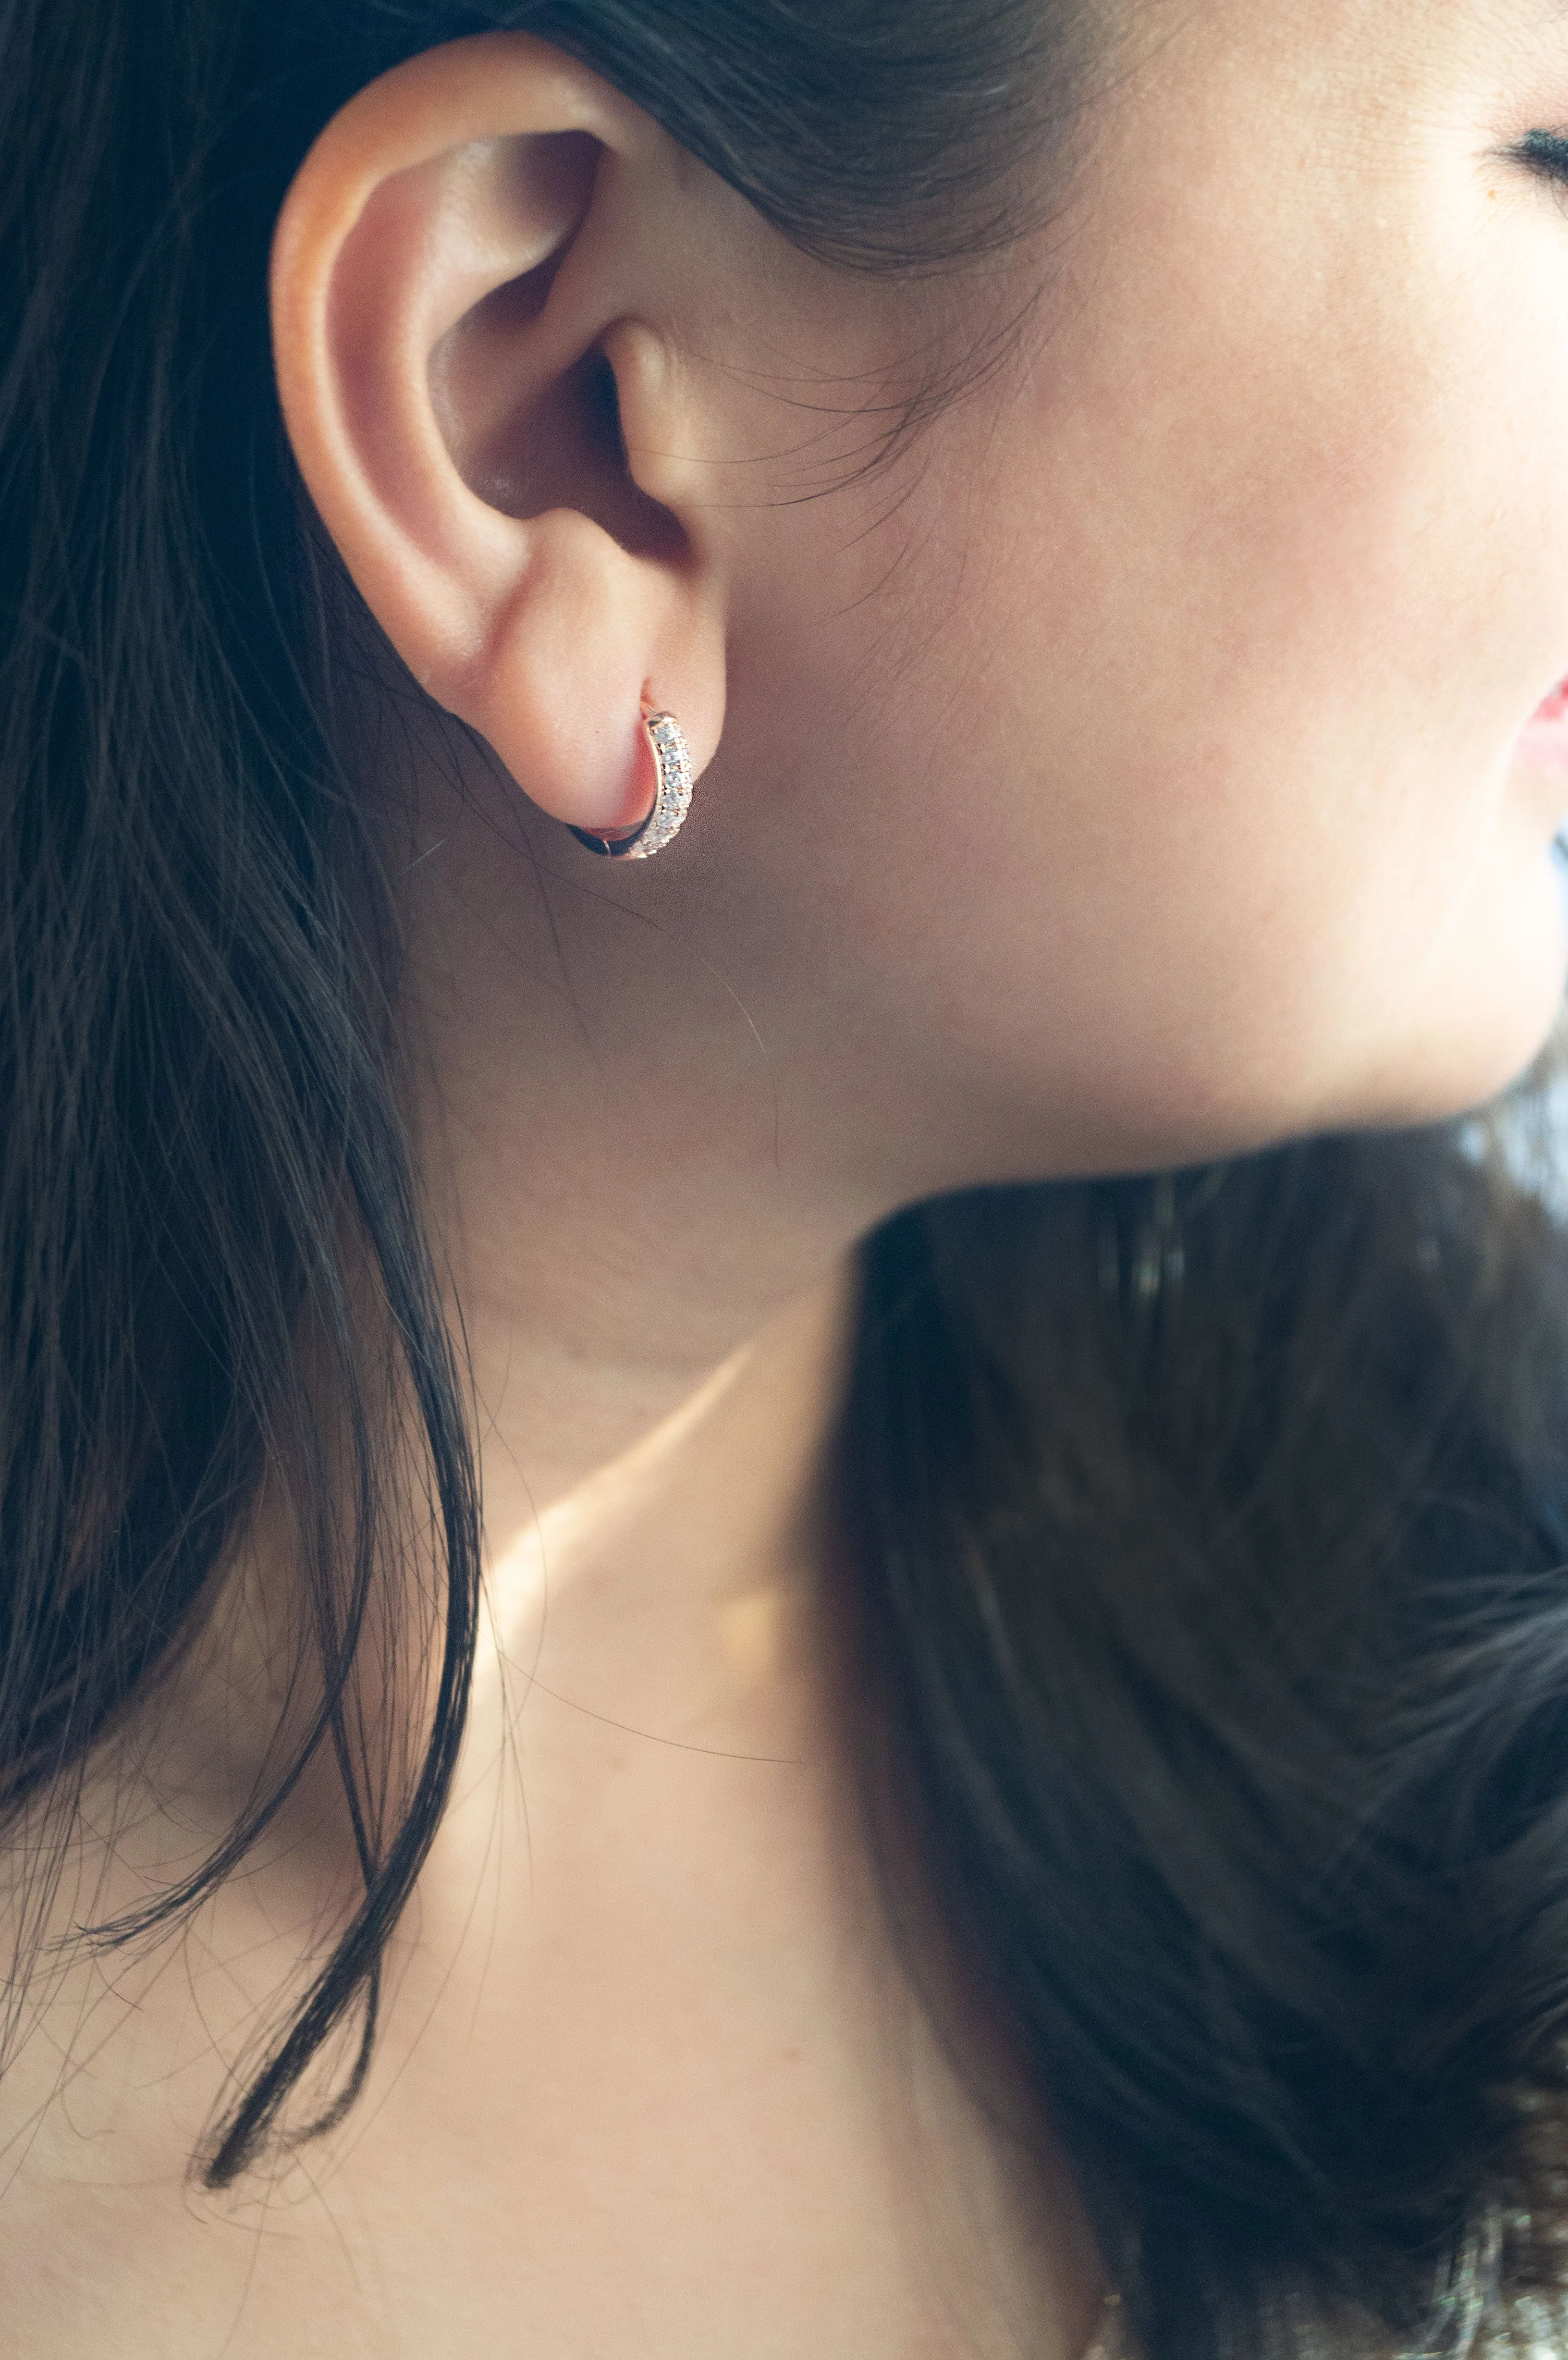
<point>672,800</point>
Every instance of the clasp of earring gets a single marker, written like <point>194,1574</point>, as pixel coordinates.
<point>672,800</point>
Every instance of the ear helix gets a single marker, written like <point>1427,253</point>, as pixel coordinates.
<point>671,799</point>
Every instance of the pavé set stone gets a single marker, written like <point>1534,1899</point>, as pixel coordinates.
<point>672,801</point>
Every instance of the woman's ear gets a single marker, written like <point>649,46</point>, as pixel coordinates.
<point>468,345</point>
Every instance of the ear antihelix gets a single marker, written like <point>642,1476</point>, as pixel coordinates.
<point>672,801</point>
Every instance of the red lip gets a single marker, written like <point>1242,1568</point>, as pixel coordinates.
<point>1543,740</point>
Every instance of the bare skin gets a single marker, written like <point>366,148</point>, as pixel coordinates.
<point>1130,779</point>
<point>651,2082</point>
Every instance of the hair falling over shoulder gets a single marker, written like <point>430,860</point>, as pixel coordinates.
<point>1212,1534</point>
<point>1209,1532</point>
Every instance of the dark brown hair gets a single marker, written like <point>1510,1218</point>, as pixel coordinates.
<point>1208,1530</point>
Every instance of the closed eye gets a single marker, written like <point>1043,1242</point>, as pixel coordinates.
<point>1545,152</point>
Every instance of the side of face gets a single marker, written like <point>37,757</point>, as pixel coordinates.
<point>1166,792</point>
<point>1123,772</point>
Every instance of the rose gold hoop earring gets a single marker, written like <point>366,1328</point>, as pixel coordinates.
<point>672,800</point>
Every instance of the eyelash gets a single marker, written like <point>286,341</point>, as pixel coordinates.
<point>1546,152</point>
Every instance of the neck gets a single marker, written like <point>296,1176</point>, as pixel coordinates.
<point>650,1257</point>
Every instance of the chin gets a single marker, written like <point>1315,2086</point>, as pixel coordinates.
<point>1488,1019</point>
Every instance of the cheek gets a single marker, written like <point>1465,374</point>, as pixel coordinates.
<point>1154,800</point>
<point>1493,994</point>
<point>1232,689</point>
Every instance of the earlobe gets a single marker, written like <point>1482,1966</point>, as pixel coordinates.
<point>455,306</point>
<point>671,797</point>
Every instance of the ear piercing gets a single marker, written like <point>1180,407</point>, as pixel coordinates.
<point>672,800</point>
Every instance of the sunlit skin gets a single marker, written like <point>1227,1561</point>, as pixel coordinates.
<point>1122,774</point>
